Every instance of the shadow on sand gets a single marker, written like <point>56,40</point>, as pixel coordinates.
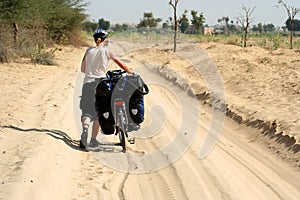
<point>74,144</point>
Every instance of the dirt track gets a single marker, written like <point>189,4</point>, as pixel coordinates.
<point>45,163</point>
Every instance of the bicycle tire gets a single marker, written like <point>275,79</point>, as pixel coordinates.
<point>121,131</point>
<point>122,140</point>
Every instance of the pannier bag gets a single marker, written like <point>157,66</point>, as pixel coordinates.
<point>131,88</point>
<point>103,107</point>
<point>136,88</point>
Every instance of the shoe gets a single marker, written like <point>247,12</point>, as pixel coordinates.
<point>94,143</point>
<point>83,140</point>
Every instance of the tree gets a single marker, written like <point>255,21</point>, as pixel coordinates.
<point>224,21</point>
<point>296,25</point>
<point>63,18</point>
<point>197,21</point>
<point>103,24</point>
<point>269,27</point>
<point>174,4</point>
<point>292,12</point>
<point>165,25</point>
<point>260,27</point>
<point>119,27</point>
<point>245,21</point>
<point>60,18</point>
<point>184,22</point>
<point>89,26</point>
<point>41,22</point>
<point>148,21</point>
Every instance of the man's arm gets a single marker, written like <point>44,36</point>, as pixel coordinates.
<point>83,65</point>
<point>119,63</point>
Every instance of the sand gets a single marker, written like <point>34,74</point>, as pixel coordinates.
<point>256,156</point>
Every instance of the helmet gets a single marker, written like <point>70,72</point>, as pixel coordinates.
<point>99,33</point>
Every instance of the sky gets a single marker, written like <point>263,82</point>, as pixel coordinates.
<point>131,11</point>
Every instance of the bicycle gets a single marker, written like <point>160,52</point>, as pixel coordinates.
<point>119,108</point>
<point>121,123</point>
<point>113,100</point>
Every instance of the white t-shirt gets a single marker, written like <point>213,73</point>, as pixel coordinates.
<point>96,60</point>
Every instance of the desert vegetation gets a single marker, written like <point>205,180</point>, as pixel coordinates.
<point>29,27</point>
<point>32,29</point>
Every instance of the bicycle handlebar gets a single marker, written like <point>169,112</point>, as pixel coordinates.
<point>144,90</point>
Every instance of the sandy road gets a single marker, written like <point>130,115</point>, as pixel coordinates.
<point>40,158</point>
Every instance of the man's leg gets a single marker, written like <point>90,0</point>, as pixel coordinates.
<point>95,129</point>
<point>85,127</point>
<point>85,122</point>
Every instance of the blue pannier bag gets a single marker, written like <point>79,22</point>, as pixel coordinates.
<point>136,88</point>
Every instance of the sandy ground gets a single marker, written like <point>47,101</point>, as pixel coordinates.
<point>253,159</point>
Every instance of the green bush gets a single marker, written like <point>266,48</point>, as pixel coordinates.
<point>41,55</point>
<point>276,42</point>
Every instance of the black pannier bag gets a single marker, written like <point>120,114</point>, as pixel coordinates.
<point>103,107</point>
<point>103,97</point>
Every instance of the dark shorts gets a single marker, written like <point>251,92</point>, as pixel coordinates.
<point>87,101</point>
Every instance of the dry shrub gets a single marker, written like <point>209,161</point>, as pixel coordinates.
<point>29,38</point>
<point>77,39</point>
<point>232,40</point>
<point>42,55</point>
<point>6,44</point>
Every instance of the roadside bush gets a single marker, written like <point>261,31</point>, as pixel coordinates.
<point>262,42</point>
<point>41,55</point>
<point>297,43</point>
<point>232,40</point>
<point>276,42</point>
<point>5,44</point>
<point>5,52</point>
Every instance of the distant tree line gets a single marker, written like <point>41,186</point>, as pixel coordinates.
<point>89,26</point>
<point>195,25</point>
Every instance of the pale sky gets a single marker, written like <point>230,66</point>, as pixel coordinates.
<point>131,11</point>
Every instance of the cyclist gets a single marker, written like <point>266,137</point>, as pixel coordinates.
<point>94,66</point>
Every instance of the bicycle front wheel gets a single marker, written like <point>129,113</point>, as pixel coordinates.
<point>122,130</point>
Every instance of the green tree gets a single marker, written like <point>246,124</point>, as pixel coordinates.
<point>169,23</point>
<point>165,25</point>
<point>103,24</point>
<point>260,27</point>
<point>42,21</point>
<point>65,18</point>
<point>184,22</point>
<point>149,21</point>
<point>296,25</point>
<point>118,27</point>
<point>89,26</point>
<point>292,12</point>
<point>269,27</point>
<point>224,21</point>
<point>11,10</point>
<point>197,21</point>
